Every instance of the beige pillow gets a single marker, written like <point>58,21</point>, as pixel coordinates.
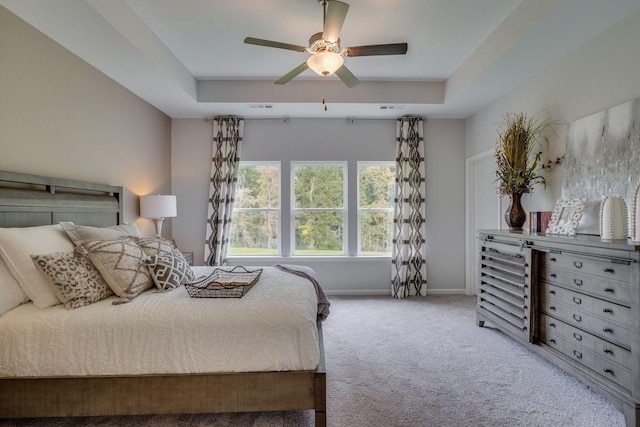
<point>121,264</point>
<point>155,246</point>
<point>17,245</point>
<point>11,294</point>
<point>78,233</point>
<point>77,281</point>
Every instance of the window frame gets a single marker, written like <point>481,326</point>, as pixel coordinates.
<point>344,209</point>
<point>278,210</point>
<point>359,209</point>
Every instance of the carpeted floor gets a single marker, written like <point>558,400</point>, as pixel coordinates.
<point>417,362</point>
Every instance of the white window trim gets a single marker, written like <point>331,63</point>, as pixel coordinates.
<point>293,210</point>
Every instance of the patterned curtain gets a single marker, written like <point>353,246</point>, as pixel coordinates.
<point>408,266</point>
<point>227,141</point>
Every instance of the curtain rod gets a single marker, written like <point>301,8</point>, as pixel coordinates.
<point>285,119</point>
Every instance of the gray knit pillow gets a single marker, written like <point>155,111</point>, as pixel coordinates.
<point>76,280</point>
<point>121,264</point>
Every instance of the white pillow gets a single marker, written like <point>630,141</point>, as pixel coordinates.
<point>79,233</point>
<point>11,294</point>
<point>16,247</point>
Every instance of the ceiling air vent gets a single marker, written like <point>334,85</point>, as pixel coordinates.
<point>261,106</point>
<point>391,107</point>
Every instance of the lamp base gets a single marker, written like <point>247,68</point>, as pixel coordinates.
<point>158,222</point>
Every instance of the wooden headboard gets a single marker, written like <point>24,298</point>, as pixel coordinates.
<point>30,200</point>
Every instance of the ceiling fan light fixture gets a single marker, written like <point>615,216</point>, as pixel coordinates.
<point>325,63</point>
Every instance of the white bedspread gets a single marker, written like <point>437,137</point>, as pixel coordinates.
<point>271,328</point>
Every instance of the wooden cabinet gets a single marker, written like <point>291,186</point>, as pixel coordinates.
<point>574,300</point>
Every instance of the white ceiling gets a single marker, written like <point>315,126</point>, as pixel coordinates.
<point>188,57</point>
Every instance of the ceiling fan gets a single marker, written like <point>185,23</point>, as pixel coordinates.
<point>326,55</point>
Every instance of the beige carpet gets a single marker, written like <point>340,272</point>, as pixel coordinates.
<point>417,362</point>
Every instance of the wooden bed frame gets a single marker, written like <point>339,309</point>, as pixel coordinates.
<point>30,200</point>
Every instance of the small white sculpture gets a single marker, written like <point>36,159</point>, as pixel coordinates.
<point>635,216</point>
<point>613,218</point>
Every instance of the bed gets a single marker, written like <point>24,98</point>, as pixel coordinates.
<point>206,384</point>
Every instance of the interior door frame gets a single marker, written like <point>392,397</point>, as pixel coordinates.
<point>470,222</point>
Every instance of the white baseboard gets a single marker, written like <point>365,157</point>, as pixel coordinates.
<point>387,292</point>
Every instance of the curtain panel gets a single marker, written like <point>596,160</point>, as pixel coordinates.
<point>226,142</point>
<point>408,264</point>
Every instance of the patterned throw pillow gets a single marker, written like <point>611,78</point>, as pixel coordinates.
<point>155,246</point>
<point>169,271</point>
<point>76,280</point>
<point>121,264</point>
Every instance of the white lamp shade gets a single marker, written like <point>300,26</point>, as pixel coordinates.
<point>325,63</point>
<point>158,206</point>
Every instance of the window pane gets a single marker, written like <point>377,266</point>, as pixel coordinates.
<point>377,186</point>
<point>258,186</point>
<point>256,210</point>
<point>254,233</point>
<point>318,186</point>
<point>319,233</point>
<point>376,193</point>
<point>376,232</point>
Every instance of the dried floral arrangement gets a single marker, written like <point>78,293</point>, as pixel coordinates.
<point>518,152</point>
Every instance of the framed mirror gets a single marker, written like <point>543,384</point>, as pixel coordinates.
<point>566,216</point>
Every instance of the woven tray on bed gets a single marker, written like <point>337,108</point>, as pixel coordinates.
<point>233,283</point>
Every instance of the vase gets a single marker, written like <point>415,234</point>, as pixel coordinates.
<point>613,218</point>
<point>515,216</point>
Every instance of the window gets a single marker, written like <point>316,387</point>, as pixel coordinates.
<point>256,210</point>
<point>318,208</point>
<point>376,191</point>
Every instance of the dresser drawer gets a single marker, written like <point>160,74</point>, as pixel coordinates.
<point>606,368</point>
<point>602,268</point>
<point>605,349</point>
<point>612,290</point>
<point>606,320</point>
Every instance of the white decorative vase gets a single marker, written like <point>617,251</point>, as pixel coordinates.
<point>635,216</point>
<point>613,218</point>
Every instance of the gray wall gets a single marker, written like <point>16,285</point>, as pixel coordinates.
<point>600,74</point>
<point>61,117</point>
<point>333,139</point>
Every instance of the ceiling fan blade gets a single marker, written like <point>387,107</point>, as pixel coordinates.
<point>269,43</point>
<point>333,20</point>
<point>347,76</point>
<point>377,49</point>
<point>291,74</point>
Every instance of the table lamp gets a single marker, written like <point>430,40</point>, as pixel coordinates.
<point>158,207</point>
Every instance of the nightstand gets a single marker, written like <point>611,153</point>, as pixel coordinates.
<point>189,257</point>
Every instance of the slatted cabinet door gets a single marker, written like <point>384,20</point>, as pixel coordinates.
<point>505,297</point>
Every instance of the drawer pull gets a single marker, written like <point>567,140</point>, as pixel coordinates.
<point>607,270</point>
<point>552,259</point>
<point>552,292</point>
<point>607,330</point>
<point>577,264</point>
<point>552,308</point>
<point>607,310</point>
<point>577,336</point>
<point>577,354</point>
<point>552,341</point>
<point>607,350</point>
<point>577,300</point>
<point>577,318</point>
<point>608,371</point>
<point>553,325</point>
<point>578,282</point>
<point>553,275</point>
<point>610,290</point>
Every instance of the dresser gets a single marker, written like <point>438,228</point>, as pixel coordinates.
<point>573,300</point>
